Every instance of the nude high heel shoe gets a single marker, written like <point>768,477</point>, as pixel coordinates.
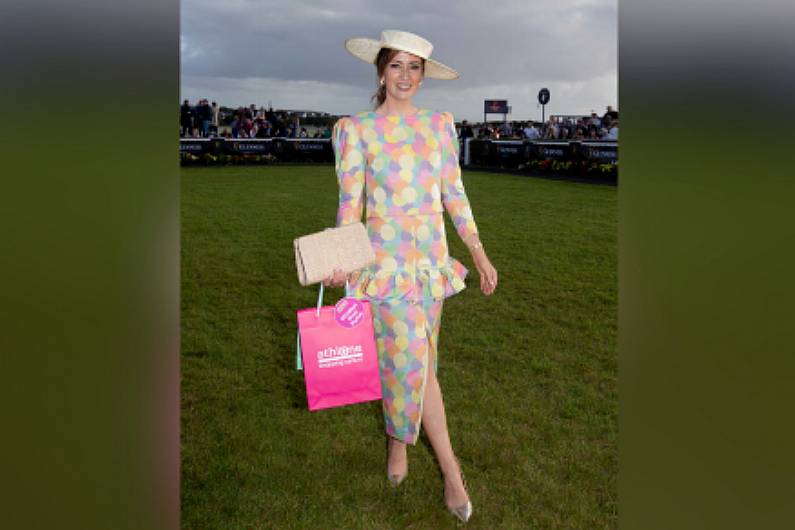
<point>463,512</point>
<point>394,478</point>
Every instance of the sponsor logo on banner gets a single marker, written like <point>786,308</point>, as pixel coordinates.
<point>190,146</point>
<point>250,146</point>
<point>313,146</point>
<point>548,151</point>
<point>596,153</point>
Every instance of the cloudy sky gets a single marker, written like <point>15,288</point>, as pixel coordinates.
<point>291,53</point>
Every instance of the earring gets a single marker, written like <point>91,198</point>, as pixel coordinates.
<point>382,82</point>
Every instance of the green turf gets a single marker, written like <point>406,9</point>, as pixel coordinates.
<point>529,375</point>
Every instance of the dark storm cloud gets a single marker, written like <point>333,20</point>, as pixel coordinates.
<point>515,43</point>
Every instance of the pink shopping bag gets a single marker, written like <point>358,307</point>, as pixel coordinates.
<point>336,347</point>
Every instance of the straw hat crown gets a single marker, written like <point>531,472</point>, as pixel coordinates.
<point>367,50</point>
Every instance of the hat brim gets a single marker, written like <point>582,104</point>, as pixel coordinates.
<point>367,50</point>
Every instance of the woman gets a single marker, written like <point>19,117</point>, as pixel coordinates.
<point>403,161</point>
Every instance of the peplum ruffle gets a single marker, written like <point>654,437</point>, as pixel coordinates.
<point>426,283</point>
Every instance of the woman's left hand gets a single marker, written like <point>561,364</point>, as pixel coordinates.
<point>487,272</point>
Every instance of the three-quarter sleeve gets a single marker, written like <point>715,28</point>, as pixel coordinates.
<point>349,165</point>
<point>454,197</point>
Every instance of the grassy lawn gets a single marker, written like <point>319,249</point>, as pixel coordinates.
<point>529,375</point>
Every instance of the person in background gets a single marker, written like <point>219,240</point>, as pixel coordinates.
<point>248,124</point>
<point>530,131</point>
<point>235,126</point>
<point>517,129</point>
<point>552,131</point>
<point>277,128</point>
<point>571,127</point>
<point>563,130</point>
<point>612,134</point>
<point>205,116</point>
<point>466,131</point>
<point>296,126</point>
<point>263,129</point>
<point>271,116</point>
<point>185,119</point>
<point>216,117</point>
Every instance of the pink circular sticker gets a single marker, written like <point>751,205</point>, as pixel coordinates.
<point>348,312</point>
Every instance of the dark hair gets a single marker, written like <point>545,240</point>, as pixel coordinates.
<point>385,55</point>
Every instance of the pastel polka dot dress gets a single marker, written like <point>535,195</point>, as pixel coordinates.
<point>405,170</point>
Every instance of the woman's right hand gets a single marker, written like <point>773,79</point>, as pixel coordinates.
<point>337,279</point>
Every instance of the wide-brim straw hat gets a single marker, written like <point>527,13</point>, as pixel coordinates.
<point>367,50</point>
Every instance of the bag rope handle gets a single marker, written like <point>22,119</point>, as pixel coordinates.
<point>298,363</point>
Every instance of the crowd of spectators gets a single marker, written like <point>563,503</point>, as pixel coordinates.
<point>204,121</point>
<point>590,127</point>
<point>198,121</point>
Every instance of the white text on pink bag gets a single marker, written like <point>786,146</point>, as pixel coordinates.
<point>340,355</point>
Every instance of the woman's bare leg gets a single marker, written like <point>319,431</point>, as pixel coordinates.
<point>434,422</point>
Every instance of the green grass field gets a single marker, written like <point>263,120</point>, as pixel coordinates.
<point>529,375</point>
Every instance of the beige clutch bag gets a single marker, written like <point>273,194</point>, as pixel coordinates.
<point>317,255</point>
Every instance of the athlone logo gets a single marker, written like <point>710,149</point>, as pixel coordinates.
<point>340,355</point>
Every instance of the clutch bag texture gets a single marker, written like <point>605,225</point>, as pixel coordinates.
<point>346,247</point>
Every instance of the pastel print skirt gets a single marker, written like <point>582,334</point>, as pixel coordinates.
<point>407,334</point>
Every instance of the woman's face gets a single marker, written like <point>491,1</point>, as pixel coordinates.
<point>402,76</point>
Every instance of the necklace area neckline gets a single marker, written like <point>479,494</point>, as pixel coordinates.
<point>417,113</point>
